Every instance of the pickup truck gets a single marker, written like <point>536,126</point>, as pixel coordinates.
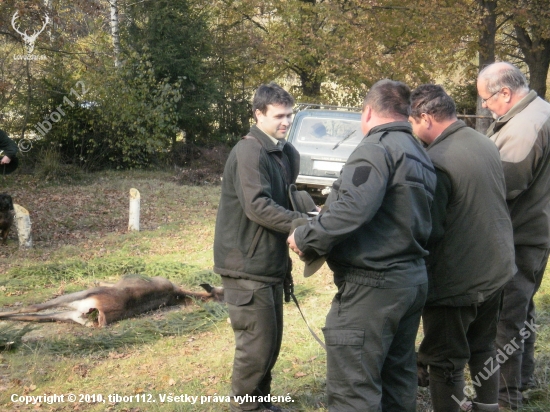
<point>325,136</point>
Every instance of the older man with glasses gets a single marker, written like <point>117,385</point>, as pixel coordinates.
<point>521,131</point>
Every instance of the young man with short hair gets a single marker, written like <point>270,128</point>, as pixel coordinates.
<point>250,251</point>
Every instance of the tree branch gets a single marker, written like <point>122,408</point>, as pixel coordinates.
<point>247,17</point>
<point>523,38</point>
<point>10,34</point>
<point>503,22</point>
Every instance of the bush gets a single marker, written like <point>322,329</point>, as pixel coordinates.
<point>202,165</point>
<point>50,166</point>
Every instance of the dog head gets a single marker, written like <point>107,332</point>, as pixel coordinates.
<point>6,202</point>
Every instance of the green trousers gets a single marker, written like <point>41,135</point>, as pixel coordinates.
<point>517,325</point>
<point>256,313</point>
<point>455,336</point>
<point>370,336</point>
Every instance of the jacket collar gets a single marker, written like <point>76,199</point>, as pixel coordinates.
<point>392,127</point>
<point>459,124</point>
<point>264,139</point>
<point>502,120</point>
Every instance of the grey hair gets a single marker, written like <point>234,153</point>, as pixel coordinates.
<point>510,77</point>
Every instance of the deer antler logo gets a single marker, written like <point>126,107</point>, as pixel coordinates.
<point>29,40</point>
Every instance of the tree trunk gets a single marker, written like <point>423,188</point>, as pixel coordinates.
<point>48,6</point>
<point>537,58</point>
<point>486,53</point>
<point>133,221</point>
<point>114,31</point>
<point>311,86</point>
<point>23,222</point>
<point>29,99</point>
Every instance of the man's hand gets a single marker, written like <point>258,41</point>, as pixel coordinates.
<point>292,245</point>
<point>5,160</point>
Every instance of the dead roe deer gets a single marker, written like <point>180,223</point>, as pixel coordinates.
<point>130,296</point>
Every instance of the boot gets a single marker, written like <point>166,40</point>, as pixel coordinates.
<point>446,390</point>
<point>487,392</point>
<point>510,376</point>
<point>486,407</point>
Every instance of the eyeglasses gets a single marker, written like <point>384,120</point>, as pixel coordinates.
<point>484,101</point>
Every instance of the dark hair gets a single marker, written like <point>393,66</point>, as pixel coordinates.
<point>389,98</point>
<point>272,94</point>
<point>432,99</point>
<point>508,76</point>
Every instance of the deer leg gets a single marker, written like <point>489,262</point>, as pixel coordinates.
<point>72,299</point>
<point>214,292</point>
<point>68,316</point>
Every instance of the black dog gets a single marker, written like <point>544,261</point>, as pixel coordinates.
<point>6,215</point>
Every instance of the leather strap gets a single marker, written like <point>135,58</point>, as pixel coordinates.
<point>307,324</point>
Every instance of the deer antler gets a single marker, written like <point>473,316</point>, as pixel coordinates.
<point>15,16</point>
<point>43,27</point>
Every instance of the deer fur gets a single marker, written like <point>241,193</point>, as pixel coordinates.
<point>129,297</point>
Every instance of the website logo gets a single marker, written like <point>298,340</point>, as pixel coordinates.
<point>29,39</point>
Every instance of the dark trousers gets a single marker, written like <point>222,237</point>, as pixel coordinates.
<point>370,336</point>
<point>517,325</point>
<point>453,337</point>
<point>256,313</point>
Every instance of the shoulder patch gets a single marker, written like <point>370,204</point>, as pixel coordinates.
<point>361,175</point>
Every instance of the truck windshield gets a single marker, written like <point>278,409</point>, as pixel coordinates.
<point>320,136</point>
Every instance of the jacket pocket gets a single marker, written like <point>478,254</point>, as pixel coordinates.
<point>345,354</point>
<point>254,244</point>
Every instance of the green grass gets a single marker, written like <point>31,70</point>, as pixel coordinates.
<point>174,351</point>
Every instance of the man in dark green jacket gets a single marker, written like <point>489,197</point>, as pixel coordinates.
<point>250,250</point>
<point>374,229</point>
<point>471,255</point>
<point>8,150</point>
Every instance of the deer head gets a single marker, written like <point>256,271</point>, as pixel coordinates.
<point>29,40</point>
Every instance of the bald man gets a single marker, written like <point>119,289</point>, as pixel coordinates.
<point>521,131</point>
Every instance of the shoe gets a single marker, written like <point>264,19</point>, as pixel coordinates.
<point>506,407</point>
<point>487,407</point>
<point>235,407</point>
<point>274,408</point>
